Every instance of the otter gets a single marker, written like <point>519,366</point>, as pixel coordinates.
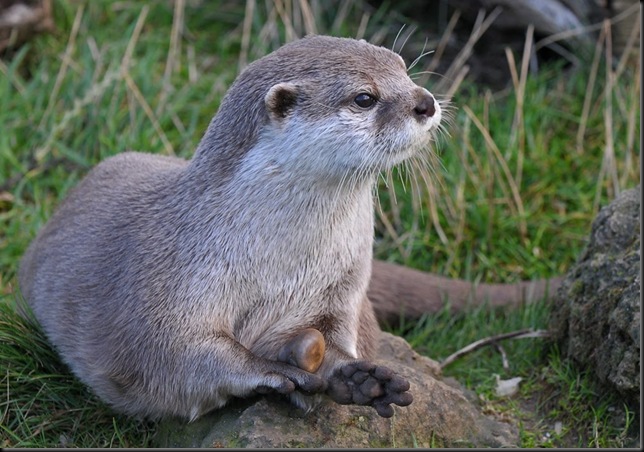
<point>170,286</point>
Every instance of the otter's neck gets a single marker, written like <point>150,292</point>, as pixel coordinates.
<point>231,134</point>
<point>273,204</point>
<point>261,214</point>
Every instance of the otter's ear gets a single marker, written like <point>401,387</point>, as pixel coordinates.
<point>280,100</point>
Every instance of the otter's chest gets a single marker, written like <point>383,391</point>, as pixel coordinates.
<point>318,287</point>
<point>290,259</point>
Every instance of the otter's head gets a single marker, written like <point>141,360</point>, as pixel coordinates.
<point>328,108</point>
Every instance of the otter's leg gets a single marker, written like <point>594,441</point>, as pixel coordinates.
<point>203,376</point>
<point>262,375</point>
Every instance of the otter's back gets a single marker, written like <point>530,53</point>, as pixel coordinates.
<point>92,228</point>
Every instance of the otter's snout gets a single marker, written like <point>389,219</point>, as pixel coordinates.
<point>425,105</point>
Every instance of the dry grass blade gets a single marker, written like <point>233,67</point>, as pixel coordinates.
<point>584,30</point>
<point>456,82</point>
<point>174,52</point>
<point>442,44</point>
<point>140,98</point>
<point>13,78</point>
<point>432,195</point>
<point>309,19</point>
<point>519,82</point>
<point>90,97</point>
<point>390,230</point>
<point>609,165</point>
<point>628,49</point>
<point>395,209</point>
<point>67,57</point>
<point>341,16</point>
<point>631,126</point>
<point>132,86</point>
<point>138,27</point>
<point>269,32</point>
<point>491,145</point>
<point>287,19</point>
<point>594,67</point>
<point>362,29</point>
<point>480,27</point>
<point>245,39</point>
<point>504,356</point>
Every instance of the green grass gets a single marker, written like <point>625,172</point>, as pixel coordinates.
<point>45,404</point>
<point>551,392</point>
<point>516,206</point>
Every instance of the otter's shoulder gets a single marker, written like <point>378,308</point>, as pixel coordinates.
<point>132,168</point>
<point>139,163</point>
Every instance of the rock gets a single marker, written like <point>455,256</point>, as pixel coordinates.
<point>441,415</point>
<point>596,312</point>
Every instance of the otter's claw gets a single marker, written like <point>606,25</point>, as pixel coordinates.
<point>364,383</point>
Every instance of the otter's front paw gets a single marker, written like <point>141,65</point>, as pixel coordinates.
<point>365,383</point>
<point>285,378</point>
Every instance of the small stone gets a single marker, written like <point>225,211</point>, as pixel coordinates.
<point>506,388</point>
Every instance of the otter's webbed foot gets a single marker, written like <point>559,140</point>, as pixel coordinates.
<point>365,383</point>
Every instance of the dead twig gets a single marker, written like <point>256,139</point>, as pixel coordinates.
<point>492,340</point>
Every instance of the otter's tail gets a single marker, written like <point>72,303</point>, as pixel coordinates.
<point>395,290</point>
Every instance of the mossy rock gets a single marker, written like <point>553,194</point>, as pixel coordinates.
<point>596,312</point>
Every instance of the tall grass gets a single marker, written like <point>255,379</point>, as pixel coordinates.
<point>521,174</point>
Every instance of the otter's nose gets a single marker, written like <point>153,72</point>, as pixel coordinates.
<point>425,106</point>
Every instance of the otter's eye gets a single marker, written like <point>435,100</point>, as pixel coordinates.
<point>364,100</point>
